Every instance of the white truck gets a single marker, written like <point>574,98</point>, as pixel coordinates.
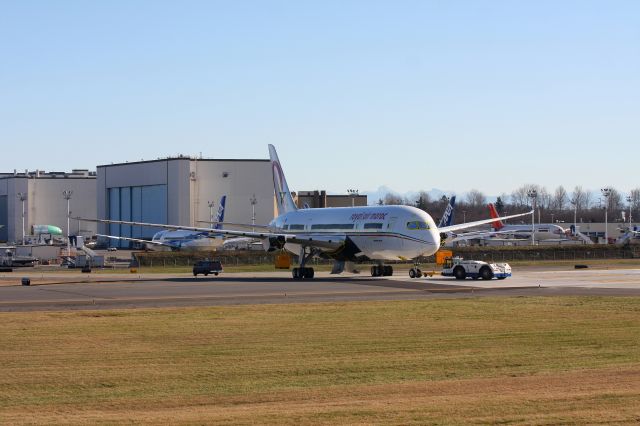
<point>460,269</point>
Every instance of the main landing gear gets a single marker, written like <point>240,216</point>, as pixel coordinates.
<point>381,270</point>
<point>303,272</point>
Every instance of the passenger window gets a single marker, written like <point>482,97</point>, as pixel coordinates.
<point>372,226</point>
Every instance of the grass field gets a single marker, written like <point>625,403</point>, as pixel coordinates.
<point>489,360</point>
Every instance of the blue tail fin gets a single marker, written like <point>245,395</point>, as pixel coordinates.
<point>220,216</point>
<point>447,216</point>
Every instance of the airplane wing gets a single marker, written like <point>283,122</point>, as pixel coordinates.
<point>137,240</point>
<point>240,225</point>
<point>325,241</point>
<point>211,231</point>
<point>479,222</point>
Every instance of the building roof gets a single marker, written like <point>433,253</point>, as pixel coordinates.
<point>184,158</point>
<point>41,174</point>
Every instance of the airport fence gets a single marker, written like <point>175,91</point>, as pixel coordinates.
<point>553,253</point>
<point>488,254</point>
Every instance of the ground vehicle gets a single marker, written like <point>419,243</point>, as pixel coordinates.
<point>207,267</point>
<point>460,269</point>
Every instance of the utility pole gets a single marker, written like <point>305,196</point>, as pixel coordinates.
<point>210,204</point>
<point>22,197</point>
<point>66,194</point>
<point>629,200</point>
<point>533,194</point>
<point>253,200</point>
<point>574,202</point>
<point>353,193</point>
<point>606,192</point>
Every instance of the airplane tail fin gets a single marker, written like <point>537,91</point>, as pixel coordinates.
<point>447,216</point>
<point>284,200</point>
<point>220,216</point>
<point>497,224</point>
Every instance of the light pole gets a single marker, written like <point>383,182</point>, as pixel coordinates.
<point>353,193</point>
<point>629,200</point>
<point>551,217</point>
<point>533,194</point>
<point>66,194</point>
<point>464,216</point>
<point>210,204</point>
<point>574,201</point>
<point>606,192</point>
<point>253,200</point>
<point>22,197</point>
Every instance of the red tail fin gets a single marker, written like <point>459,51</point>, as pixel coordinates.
<point>497,224</point>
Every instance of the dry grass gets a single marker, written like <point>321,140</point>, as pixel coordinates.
<point>516,360</point>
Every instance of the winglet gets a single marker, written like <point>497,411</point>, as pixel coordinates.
<point>284,200</point>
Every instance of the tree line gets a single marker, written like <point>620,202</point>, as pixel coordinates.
<point>557,206</point>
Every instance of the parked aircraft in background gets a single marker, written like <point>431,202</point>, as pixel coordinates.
<point>45,229</point>
<point>344,234</point>
<point>183,239</point>
<point>542,231</point>
<point>449,212</point>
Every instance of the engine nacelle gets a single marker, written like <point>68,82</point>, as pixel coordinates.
<point>274,243</point>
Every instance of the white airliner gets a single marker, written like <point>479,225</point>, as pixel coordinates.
<point>542,231</point>
<point>344,234</point>
<point>183,239</point>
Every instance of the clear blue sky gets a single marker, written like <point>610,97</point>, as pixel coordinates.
<point>354,94</point>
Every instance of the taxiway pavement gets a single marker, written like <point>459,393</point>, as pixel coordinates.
<point>63,291</point>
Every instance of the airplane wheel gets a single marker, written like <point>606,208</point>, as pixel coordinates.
<point>310,273</point>
<point>206,274</point>
<point>376,271</point>
<point>388,270</point>
<point>295,272</point>
<point>418,273</point>
<point>459,273</point>
<point>412,273</point>
<point>486,273</point>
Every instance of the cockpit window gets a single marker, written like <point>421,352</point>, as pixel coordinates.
<point>416,225</point>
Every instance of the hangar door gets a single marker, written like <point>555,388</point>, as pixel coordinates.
<point>136,204</point>
<point>4,218</point>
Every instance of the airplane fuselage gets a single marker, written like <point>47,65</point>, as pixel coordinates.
<point>542,231</point>
<point>184,240</point>
<point>377,232</point>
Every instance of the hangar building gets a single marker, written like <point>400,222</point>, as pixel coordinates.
<point>44,203</point>
<point>179,191</point>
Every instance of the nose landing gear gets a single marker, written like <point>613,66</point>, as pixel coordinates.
<point>415,272</point>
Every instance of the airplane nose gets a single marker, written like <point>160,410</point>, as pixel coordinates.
<point>435,236</point>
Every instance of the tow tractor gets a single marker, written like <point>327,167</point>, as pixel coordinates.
<point>460,269</point>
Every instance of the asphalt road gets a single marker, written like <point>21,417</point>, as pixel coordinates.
<point>102,291</point>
